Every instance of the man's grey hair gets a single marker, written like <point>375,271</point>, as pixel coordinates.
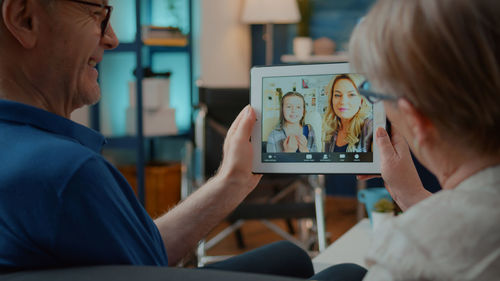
<point>46,2</point>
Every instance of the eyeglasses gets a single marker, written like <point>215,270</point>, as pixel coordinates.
<point>107,8</point>
<point>374,97</point>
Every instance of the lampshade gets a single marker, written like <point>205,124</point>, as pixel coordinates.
<point>270,11</point>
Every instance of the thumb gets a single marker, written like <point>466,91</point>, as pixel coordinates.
<point>384,142</point>
<point>247,121</point>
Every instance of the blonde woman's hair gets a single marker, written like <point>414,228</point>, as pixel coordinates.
<point>442,56</point>
<point>331,122</point>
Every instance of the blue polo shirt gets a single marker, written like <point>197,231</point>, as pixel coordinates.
<point>61,203</point>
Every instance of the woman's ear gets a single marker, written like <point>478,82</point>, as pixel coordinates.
<point>19,19</point>
<point>420,127</point>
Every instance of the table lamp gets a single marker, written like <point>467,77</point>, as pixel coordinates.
<point>270,12</point>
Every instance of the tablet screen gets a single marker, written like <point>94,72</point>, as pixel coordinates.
<point>313,119</point>
<point>316,118</point>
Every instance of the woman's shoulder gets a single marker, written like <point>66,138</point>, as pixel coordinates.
<point>453,213</point>
<point>309,127</point>
<point>276,133</point>
<point>441,225</point>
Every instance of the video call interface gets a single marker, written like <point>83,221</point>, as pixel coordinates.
<point>316,118</point>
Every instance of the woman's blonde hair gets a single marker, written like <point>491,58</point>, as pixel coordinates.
<point>331,122</point>
<point>443,57</point>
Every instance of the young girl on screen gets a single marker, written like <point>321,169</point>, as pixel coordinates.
<point>292,135</point>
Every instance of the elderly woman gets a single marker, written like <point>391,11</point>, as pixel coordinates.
<point>347,123</point>
<point>436,66</point>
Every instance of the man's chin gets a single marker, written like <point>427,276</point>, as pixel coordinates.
<point>88,99</point>
<point>95,101</point>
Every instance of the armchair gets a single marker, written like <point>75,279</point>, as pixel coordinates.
<point>276,197</point>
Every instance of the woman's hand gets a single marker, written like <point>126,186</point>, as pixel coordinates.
<point>290,144</point>
<point>302,143</point>
<point>398,171</point>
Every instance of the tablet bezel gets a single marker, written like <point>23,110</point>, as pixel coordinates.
<point>256,78</point>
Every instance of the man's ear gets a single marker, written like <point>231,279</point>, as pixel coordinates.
<point>419,125</point>
<point>19,19</point>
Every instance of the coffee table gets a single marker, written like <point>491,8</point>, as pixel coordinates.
<point>349,248</point>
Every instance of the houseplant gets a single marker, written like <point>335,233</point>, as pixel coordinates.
<point>302,43</point>
<point>382,210</point>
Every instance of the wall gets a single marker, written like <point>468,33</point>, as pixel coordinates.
<point>224,45</point>
<point>332,19</point>
<point>115,71</point>
<point>335,20</point>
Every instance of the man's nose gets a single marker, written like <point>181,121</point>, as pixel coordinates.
<point>109,39</point>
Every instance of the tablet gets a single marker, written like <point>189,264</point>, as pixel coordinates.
<point>311,119</point>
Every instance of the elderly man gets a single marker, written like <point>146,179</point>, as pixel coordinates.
<point>61,203</point>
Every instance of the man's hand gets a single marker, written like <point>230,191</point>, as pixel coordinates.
<point>398,171</point>
<point>182,227</point>
<point>238,153</point>
<point>290,144</point>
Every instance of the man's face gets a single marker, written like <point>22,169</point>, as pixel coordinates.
<point>77,46</point>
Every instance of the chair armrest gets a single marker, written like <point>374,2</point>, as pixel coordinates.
<point>135,273</point>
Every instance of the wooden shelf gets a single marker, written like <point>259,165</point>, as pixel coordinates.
<point>144,51</point>
<point>337,57</point>
<point>171,42</point>
<point>130,142</point>
<point>124,47</point>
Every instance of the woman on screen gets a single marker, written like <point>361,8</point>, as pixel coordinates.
<point>292,134</point>
<point>348,122</point>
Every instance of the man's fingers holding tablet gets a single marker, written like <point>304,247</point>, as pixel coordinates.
<point>246,123</point>
<point>238,154</point>
<point>237,121</point>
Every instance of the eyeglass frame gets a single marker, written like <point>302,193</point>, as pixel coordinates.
<point>105,22</point>
<point>374,97</point>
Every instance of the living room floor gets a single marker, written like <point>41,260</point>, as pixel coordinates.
<point>340,216</point>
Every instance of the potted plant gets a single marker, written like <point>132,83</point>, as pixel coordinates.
<point>302,43</point>
<point>382,210</point>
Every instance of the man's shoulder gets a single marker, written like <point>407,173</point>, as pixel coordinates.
<point>36,158</point>
<point>35,140</point>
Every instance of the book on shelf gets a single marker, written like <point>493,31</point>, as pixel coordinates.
<point>174,42</point>
<point>163,36</point>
